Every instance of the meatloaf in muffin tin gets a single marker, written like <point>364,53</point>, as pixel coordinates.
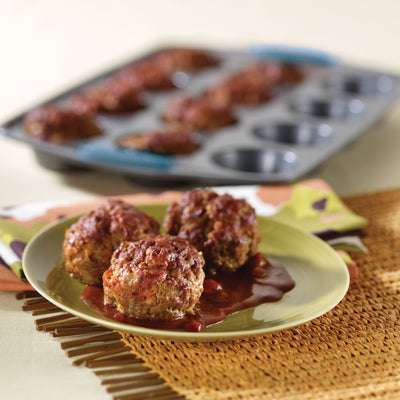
<point>242,119</point>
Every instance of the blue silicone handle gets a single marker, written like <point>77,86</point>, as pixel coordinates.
<point>109,154</point>
<point>294,54</point>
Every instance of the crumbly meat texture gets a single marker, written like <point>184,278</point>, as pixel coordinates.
<point>169,141</point>
<point>53,124</point>
<point>155,278</point>
<point>224,228</point>
<point>198,113</point>
<point>90,242</point>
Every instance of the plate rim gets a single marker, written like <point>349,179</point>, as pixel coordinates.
<point>178,334</point>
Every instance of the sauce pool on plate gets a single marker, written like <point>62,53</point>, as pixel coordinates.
<point>224,293</point>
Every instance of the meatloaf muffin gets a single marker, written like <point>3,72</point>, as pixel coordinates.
<point>197,114</point>
<point>251,86</point>
<point>185,59</point>
<point>224,228</point>
<point>90,242</point>
<point>291,74</point>
<point>53,124</point>
<point>169,141</point>
<point>255,84</point>
<point>118,94</point>
<point>152,75</point>
<point>155,278</point>
<point>275,74</point>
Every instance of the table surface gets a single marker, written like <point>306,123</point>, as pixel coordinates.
<point>49,46</point>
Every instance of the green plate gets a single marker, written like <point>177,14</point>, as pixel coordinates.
<point>320,275</point>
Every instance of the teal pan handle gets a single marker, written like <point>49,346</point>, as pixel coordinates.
<point>294,54</point>
<point>110,154</point>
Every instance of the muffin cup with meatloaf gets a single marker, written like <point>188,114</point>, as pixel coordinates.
<point>171,141</point>
<point>185,59</point>
<point>121,93</point>
<point>198,113</point>
<point>54,124</point>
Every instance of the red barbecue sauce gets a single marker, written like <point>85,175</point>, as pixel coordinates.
<point>224,293</point>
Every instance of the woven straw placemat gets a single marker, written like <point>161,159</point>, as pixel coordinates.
<point>351,352</point>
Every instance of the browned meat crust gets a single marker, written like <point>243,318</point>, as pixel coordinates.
<point>185,59</point>
<point>155,278</point>
<point>91,241</point>
<point>222,227</point>
<point>198,113</point>
<point>152,75</point>
<point>253,85</point>
<point>291,74</point>
<point>249,87</point>
<point>168,141</point>
<point>51,123</point>
<point>118,94</point>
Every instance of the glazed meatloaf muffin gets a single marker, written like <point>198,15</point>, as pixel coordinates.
<point>90,242</point>
<point>169,141</point>
<point>224,228</point>
<point>53,124</point>
<point>155,278</point>
<point>197,114</point>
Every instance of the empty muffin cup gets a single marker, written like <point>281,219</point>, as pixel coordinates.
<point>301,133</point>
<point>336,108</point>
<point>361,84</point>
<point>256,160</point>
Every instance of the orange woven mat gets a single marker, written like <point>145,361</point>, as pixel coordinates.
<point>352,352</point>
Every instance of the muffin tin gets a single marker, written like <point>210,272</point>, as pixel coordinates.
<point>278,141</point>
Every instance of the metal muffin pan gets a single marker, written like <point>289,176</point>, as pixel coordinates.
<point>278,141</point>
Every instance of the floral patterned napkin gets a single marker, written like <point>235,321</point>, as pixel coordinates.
<point>311,205</point>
